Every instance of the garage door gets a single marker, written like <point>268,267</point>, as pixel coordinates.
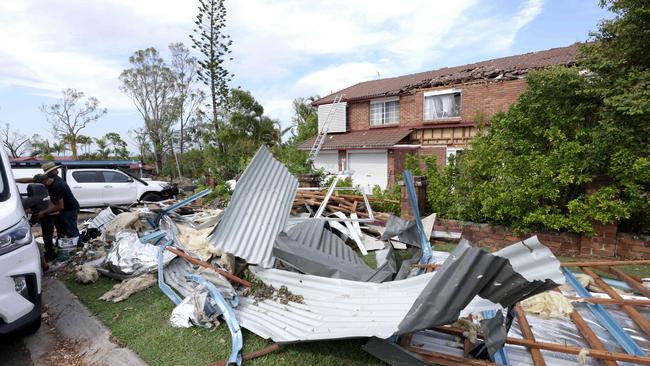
<point>327,160</point>
<point>370,168</point>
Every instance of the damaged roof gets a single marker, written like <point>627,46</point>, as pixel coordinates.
<point>505,68</point>
<point>374,138</point>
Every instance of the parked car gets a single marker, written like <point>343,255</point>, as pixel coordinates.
<point>20,266</point>
<point>97,187</point>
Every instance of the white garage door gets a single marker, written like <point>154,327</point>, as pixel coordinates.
<point>327,160</point>
<point>370,168</point>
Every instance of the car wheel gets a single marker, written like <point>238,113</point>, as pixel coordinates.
<point>151,197</point>
<point>33,327</point>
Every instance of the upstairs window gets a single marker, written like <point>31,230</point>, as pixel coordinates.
<point>441,104</point>
<point>384,111</point>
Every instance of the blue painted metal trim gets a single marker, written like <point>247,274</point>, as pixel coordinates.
<point>501,356</point>
<point>617,283</point>
<point>229,317</point>
<point>164,287</point>
<point>425,245</point>
<point>186,201</point>
<point>152,236</point>
<point>604,318</point>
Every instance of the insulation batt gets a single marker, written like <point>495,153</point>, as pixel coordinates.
<point>125,220</point>
<point>124,289</point>
<point>87,274</point>
<point>196,241</point>
<point>549,304</point>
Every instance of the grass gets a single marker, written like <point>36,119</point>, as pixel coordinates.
<point>141,323</point>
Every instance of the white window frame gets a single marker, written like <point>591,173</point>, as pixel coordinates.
<point>383,102</point>
<point>451,151</point>
<point>440,92</point>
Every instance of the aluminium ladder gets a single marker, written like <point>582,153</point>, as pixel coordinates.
<point>322,133</point>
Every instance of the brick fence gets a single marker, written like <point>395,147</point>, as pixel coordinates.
<point>606,243</point>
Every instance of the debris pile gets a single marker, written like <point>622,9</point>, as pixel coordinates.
<point>300,264</point>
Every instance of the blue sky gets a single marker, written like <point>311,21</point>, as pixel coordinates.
<point>283,49</point>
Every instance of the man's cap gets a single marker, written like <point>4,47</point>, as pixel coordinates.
<point>49,167</point>
<point>39,178</point>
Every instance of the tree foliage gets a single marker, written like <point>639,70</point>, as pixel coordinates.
<point>16,143</point>
<point>69,116</point>
<point>529,170</point>
<point>151,85</point>
<point>213,43</point>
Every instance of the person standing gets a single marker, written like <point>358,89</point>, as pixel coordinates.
<point>62,200</point>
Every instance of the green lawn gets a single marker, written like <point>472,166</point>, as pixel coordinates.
<point>141,323</point>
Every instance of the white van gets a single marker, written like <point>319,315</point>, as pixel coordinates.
<point>20,265</point>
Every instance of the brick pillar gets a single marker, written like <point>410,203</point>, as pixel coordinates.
<point>603,241</point>
<point>420,183</point>
<point>309,180</point>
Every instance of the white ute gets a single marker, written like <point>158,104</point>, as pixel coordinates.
<point>20,266</point>
<point>97,187</point>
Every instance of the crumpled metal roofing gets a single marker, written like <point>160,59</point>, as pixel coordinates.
<point>258,210</point>
<point>310,248</point>
<point>470,271</point>
<point>336,308</point>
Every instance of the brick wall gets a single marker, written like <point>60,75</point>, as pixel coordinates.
<point>614,245</point>
<point>440,152</point>
<point>487,98</point>
<point>359,116</point>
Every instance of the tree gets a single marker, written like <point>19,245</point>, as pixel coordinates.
<point>67,118</point>
<point>305,118</point>
<point>569,128</point>
<point>214,45</point>
<point>139,136</point>
<point>189,96</point>
<point>40,146</point>
<point>15,142</point>
<point>118,146</point>
<point>85,142</point>
<point>103,150</point>
<point>151,85</point>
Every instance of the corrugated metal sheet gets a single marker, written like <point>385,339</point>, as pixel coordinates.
<point>258,210</point>
<point>336,308</point>
<point>337,117</point>
<point>310,248</point>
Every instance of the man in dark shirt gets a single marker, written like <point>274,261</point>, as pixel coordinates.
<point>63,201</point>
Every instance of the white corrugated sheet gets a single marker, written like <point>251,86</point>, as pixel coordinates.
<point>336,308</point>
<point>258,210</point>
<point>337,122</point>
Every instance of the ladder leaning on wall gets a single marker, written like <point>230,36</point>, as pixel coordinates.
<point>322,131</point>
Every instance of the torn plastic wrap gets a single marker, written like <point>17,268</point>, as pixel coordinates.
<point>130,257</point>
<point>195,310</point>
<point>312,249</point>
<point>516,272</point>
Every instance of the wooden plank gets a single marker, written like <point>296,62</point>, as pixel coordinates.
<point>201,263</point>
<point>535,354</point>
<point>639,319</point>
<point>588,334</point>
<point>594,353</point>
<point>633,283</point>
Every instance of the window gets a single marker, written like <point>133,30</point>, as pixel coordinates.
<point>88,176</point>
<point>384,111</point>
<point>454,153</point>
<point>115,177</point>
<point>441,104</point>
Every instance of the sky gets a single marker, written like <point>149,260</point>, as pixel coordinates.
<point>282,49</point>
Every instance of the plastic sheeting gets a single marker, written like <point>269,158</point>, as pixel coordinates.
<point>258,210</point>
<point>130,257</point>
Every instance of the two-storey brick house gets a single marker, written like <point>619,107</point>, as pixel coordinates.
<point>378,122</point>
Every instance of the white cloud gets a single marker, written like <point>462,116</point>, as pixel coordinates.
<point>283,49</point>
